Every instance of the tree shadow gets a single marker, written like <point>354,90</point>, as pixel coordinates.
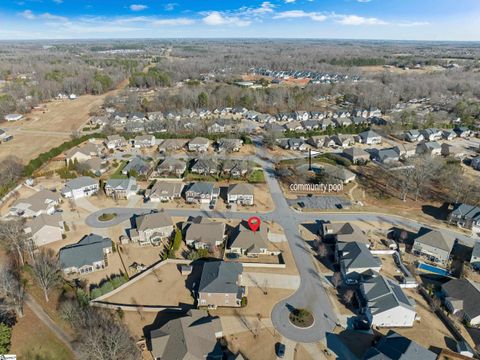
<point>438,213</point>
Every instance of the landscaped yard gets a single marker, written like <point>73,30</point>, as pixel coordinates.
<point>107,216</point>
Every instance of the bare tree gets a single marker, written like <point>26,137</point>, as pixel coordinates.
<point>322,250</point>
<point>12,291</point>
<point>13,237</point>
<point>46,271</point>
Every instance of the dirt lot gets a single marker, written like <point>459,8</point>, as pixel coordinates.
<point>260,347</point>
<point>163,287</point>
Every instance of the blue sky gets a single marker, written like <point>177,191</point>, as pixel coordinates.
<point>352,19</point>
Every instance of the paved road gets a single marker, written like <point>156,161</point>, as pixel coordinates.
<point>311,293</point>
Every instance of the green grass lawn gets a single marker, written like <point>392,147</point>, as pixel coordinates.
<point>256,176</point>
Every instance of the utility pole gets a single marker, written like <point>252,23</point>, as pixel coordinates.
<point>309,159</point>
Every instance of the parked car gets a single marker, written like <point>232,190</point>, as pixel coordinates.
<point>280,349</point>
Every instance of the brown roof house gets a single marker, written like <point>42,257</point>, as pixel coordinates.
<point>220,285</point>
<point>344,233</point>
<point>163,191</point>
<point>199,144</point>
<point>45,229</point>
<point>202,233</point>
<point>433,245</point>
<point>170,166</point>
<point>190,337</point>
<point>356,155</point>
<point>152,228</point>
<point>244,241</point>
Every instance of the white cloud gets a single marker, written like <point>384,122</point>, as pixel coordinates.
<point>170,6</point>
<point>295,14</point>
<point>28,14</point>
<point>138,7</point>
<point>356,20</point>
<point>174,22</point>
<point>216,18</point>
<point>364,1</point>
<point>414,23</point>
<point>289,1</point>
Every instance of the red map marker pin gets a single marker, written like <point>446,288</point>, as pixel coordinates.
<point>254,223</point>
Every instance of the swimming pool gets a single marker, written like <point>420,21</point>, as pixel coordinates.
<point>432,269</point>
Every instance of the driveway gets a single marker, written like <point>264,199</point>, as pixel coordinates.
<point>265,280</point>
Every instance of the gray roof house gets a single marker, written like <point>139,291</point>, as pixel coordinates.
<point>449,134</point>
<point>220,285</point>
<point>452,151</point>
<point>463,295</point>
<point>429,148</point>
<point>121,189</point>
<point>413,136</point>
<point>340,173</point>
<point>434,245</point>
<point>163,191</point>
<point>370,137</point>
<point>343,140</point>
<point>466,216</point>
<point>115,142</point>
<point>240,194</point>
<point>356,155</point>
<point>144,141</point>
<point>199,144</point>
<point>355,259</point>
<point>190,337</point>
<point>229,145</point>
<point>343,232</point>
<point>42,202</point>
<point>385,304</point>
<point>82,186</point>
<point>321,141</point>
<point>204,234</point>
<point>387,156</point>
<point>201,192</point>
<point>476,163</point>
<point>431,134</point>
<point>235,168</point>
<point>244,241</point>
<point>86,256</point>
<point>170,166</point>
<point>205,167</point>
<point>394,346</point>
<point>138,166</point>
<point>152,228</point>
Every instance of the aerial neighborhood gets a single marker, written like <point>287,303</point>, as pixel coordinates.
<point>240,209</point>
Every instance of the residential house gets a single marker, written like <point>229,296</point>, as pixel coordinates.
<point>235,168</point>
<point>321,141</point>
<point>83,186</point>
<point>466,216</point>
<point>240,194</point>
<point>245,241</point>
<point>163,191</point>
<point>355,260</point>
<point>374,112</point>
<point>121,189</point>
<point>229,145</point>
<point>4,136</point>
<point>370,137</point>
<point>202,233</point>
<point>340,173</point>
<point>462,131</point>
<point>293,126</point>
<point>42,202</point>
<point>274,128</point>
<point>475,259</point>
<point>96,166</point>
<point>397,347</point>
<point>343,140</point>
<point>12,117</point>
<point>45,229</point>
<point>429,148</point>
<point>88,255</point>
<point>220,285</point>
<point>434,245</point>
<point>201,193</point>
<point>222,126</point>
<point>193,336</point>
<point>324,124</point>
<point>292,144</point>
<point>143,141</point>
<point>356,155</point>
<point>387,156</point>
<point>449,134</point>
<point>151,229</point>
<point>343,233</point>
<point>342,121</point>
<point>82,153</point>
<point>171,166</point>
<point>431,134</point>
<point>405,151</point>
<point>413,136</point>
<point>359,120</point>
<point>463,296</point>
<point>137,166</point>
<point>452,151</point>
<point>476,163</point>
<point>310,125</point>
<point>172,145</point>
<point>115,142</point>
<point>385,304</point>
<point>199,144</point>
<point>205,167</point>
